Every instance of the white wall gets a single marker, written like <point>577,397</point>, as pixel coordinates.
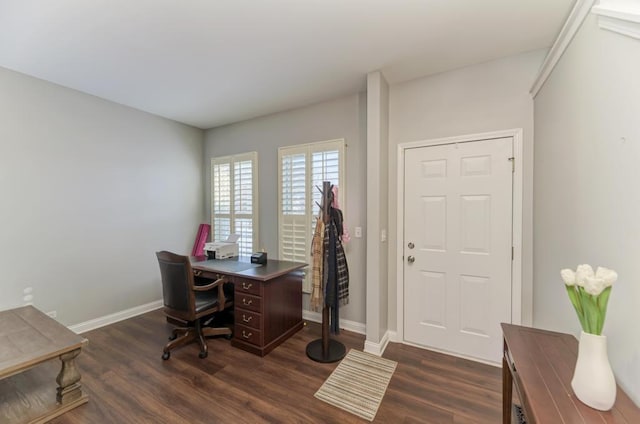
<point>89,191</point>
<point>486,97</point>
<point>587,206</point>
<point>377,207</point>
<point>341,118</point>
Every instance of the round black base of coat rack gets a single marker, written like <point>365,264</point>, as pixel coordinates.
<point>336,352</point>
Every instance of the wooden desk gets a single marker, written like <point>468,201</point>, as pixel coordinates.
<point>29,338</point>
<point>540,364</point>
<point>267,300</point>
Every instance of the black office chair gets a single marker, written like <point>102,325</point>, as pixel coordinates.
<point>185,301</point>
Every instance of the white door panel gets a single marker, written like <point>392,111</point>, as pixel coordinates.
<point>458,207</point>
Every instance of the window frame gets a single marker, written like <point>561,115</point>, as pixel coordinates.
<point>232,160</point>
<point>311,209</point>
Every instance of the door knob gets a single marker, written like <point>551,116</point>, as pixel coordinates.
<point>411,259</point>
<point>411,245</point>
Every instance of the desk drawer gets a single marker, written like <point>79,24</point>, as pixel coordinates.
<point>248,318</point>
<point>247,301</point>
<point>248,335</point>
<point>247,286</point>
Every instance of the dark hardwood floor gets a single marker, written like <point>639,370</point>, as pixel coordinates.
<point>128,382</point>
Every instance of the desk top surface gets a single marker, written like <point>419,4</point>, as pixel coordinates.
<point>29,337</point>
<point>244,268</point>
<point>544,362</point>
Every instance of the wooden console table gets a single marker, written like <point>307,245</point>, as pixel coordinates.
<point>540,364</point>
<point>29,338</point>
<point>267,300</point>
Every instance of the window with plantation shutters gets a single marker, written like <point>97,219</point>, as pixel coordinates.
<point>300,169</point>
<point>234,200</point>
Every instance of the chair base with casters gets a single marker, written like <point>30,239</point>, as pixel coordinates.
<point>190,334</point>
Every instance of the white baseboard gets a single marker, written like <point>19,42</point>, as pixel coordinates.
<point>378,348</point>
<point>345,324</point>
<point>115,317</point>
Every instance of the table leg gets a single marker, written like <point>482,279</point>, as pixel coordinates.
<point>507,387</point>
<point>69,387</point>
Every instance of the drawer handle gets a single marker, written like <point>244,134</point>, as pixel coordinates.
<point>244,301</point>
<point>245,335</point>
<point>197,272</point>
<point>246,286</point>
<point>245,319</point>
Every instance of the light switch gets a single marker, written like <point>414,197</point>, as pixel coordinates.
<point>358,232</point>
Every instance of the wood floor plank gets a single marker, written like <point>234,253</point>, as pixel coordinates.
<point>128,382</point>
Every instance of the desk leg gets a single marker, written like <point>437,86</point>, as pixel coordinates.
<point>507,387</point>
<point>69,387</point>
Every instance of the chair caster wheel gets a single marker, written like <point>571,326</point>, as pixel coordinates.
<point>166,355</point>
<point>203,355</point>
<point>173,337</point>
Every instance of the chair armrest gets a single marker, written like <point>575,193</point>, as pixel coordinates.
<point>219,283</point>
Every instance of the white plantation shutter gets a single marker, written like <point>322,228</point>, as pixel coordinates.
<point>243,205</point>
<point>293,206</point>
<point>234,200</point>
<point>325,166</point>
<point>301,168</point>
<point>221,199</point>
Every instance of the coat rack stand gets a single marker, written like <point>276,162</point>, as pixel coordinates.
<point>326,349</point>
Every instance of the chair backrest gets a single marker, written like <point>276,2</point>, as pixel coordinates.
<point>177,285</point>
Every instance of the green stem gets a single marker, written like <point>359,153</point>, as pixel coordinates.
<point>589,311</point>
<point>603,300</point>
<point>574,294</point>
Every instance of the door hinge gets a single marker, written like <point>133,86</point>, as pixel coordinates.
<point>513,164</point>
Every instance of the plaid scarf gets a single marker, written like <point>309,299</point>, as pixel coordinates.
<point>317,256</point>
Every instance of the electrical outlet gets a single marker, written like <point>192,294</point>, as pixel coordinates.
<point>358,232</point>
<point>28,296</point>
<point>52,314</point>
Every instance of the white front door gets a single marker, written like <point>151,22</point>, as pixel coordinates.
<point>457,246</point>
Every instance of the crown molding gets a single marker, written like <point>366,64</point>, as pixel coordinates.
<point>571,26</point>
<point>621,16</point>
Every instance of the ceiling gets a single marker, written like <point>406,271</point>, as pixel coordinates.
<point>211,62</point>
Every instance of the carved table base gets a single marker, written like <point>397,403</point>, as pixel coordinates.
<point>69,387</point>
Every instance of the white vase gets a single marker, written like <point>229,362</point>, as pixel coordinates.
<point>593,381</point>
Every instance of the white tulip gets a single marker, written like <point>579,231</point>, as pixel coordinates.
<point>591,310</point>
<point>569,277</point>
<point>594,285</point>
<point>582,273</point>
<point>608,275</point>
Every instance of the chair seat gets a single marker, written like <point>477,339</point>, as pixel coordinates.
<point>206,300</point>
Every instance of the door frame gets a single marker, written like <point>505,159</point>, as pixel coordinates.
<point>519,302</point>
